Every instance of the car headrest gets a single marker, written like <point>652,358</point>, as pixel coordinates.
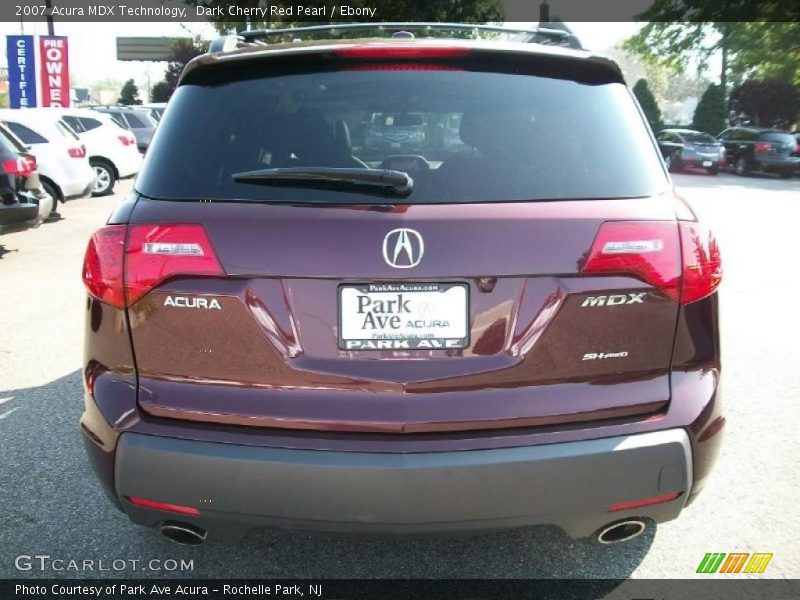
<point>493,131</point>
<point>341,134</point>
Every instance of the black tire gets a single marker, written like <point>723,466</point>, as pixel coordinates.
<point>106,177</point>
<point>742,167</point>
<point>713,170</point>
<point>51,189</point>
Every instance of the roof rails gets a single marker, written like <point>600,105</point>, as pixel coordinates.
<point>539,35</point>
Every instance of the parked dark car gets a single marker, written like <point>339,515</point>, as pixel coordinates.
<point>137,121</point>
<point>395,133</point>
<point>751,149</point>
<point>522,334</point>
<point>685,148</point>
<point>23,203</point>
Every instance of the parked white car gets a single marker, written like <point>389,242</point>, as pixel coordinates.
<point>61,158</point>
<point>112,150</point>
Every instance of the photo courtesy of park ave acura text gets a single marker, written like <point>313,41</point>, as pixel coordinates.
<point>453,299</point>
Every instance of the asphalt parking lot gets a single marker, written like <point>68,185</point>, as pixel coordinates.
<point>51,504</point>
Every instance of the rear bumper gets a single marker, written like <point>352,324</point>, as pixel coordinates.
<point>777,165</point>
<point>19,213</point>
<point>571,485</point>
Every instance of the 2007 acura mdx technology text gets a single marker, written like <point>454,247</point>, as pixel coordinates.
<point>280,332</point>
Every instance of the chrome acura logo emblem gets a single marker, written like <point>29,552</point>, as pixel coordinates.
<point>403,248</point>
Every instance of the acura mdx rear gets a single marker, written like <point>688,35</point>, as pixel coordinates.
<point>286,327</point>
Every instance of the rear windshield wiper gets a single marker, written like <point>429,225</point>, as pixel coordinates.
<point>397,181</point>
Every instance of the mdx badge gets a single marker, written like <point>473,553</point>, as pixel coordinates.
<point>403,248</point>
<point>614,300</point>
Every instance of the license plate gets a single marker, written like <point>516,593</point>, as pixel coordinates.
<point>706,163</point>
<point>403,316</point>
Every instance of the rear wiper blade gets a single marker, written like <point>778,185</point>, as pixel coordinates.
<point>398,181</point>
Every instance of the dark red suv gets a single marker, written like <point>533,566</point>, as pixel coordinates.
<point>518,329</point>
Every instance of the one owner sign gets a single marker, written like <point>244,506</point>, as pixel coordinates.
<point>21,71</point>
<point>54,70</point>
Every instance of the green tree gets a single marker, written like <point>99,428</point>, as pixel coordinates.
<point>160,92</point>
<point>772,51</point>
<point>766,103</point>
<point>649,105</point>
<point>711,115</point>
<point>183,51</point>
<point>678,44</point>
<point>129,94</point>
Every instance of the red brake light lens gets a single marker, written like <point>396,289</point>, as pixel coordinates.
<point>384,52</point>
<point>103,264</point>
<point>683,262</point>
<point>702,265</point>
<point>165,506</point>
<point>120,276</point>
<point>126,140</point>
<point>763,147</point>
<point>644,502</point>
<point>157,252</point>
<point>77,151</point>
<point>23,166</point>
<point>647,250</point>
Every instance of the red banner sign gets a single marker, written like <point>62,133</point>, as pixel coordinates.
<point>54,65</point>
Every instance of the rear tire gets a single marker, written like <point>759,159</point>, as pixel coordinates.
<point>742,168</point>
<point>55,194</point>
<point>105,177</point>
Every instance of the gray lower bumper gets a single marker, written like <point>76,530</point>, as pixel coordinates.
<point>571,485</point>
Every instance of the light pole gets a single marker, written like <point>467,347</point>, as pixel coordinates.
<point>50,27</point>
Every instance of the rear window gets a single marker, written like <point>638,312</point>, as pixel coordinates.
<point>27,135</point>
<point>135,121</point>
<point>698,138</point>
<point>75,123</point>
<point>117,118</point>
<point>8,143</point>
<point>517,136</point>
<point>66,131</point>
<point>89,124</point>
<point>777,138</point>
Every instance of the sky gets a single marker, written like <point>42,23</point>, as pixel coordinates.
<point>92,46</point>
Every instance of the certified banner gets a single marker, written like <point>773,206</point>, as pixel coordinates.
<point>21,71</point>
<point>54,57</point>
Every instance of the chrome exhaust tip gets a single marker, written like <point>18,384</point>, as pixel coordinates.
<point>621,531</point>
<point>183,534</point>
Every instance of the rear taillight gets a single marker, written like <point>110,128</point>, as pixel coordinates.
<point>648,250</point>
<point>154,253</point>
<point>103,263</point>
<point>126,140</point>
<point>763,147</point>
<point>157,252</point>
<point>387,52</point>
<point>77,151</point>
<point>23,166</point>
<point>683,262</point>
<point>702,265</point>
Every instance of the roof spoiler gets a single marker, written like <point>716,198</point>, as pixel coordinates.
<point>535,35</point>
